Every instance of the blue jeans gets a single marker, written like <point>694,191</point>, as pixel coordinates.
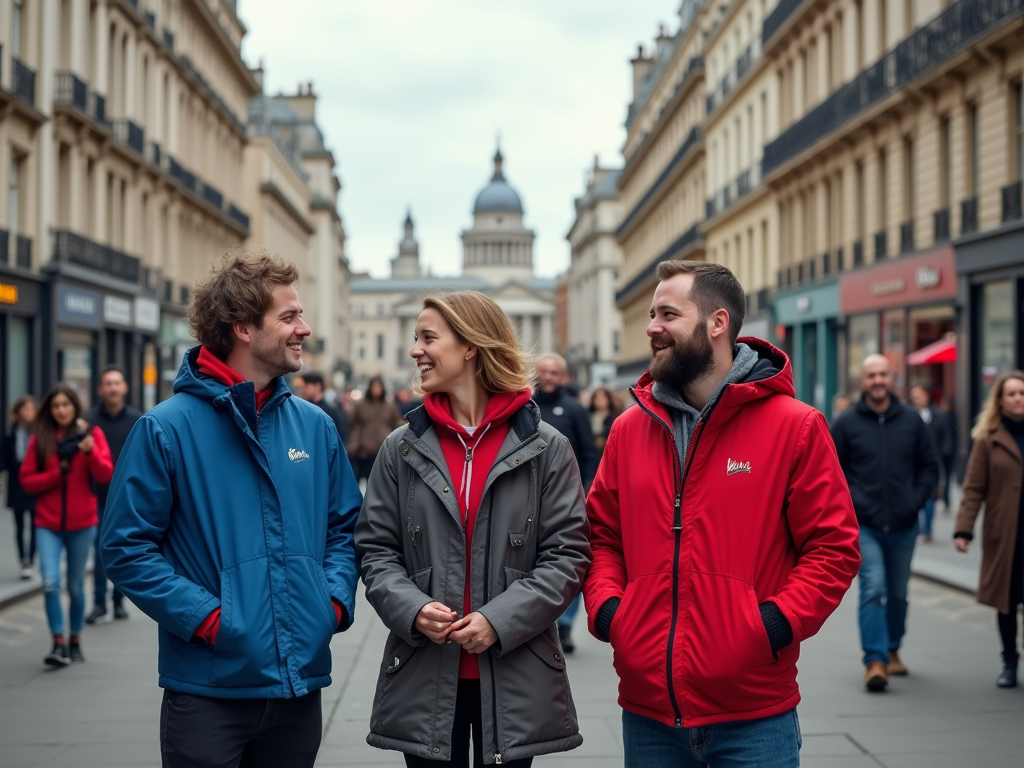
<point>771,742</point>
<point>884,576</point>
<point>51,544</point>
<point>566,619</point>
<point>926,516</point>
<point>99,576</point>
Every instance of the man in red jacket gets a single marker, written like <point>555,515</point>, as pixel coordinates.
<point>723,535</point>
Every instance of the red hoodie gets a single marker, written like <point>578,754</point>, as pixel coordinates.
<point>214,367</point>
<point>469,460</point>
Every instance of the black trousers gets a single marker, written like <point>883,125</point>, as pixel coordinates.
<point>202,732</point>
<point>24,520</point>
<point>1007,622</point>
<point>467,720</point>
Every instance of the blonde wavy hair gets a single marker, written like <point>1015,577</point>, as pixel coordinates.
<point>991,411</point>
<point>501,364</point>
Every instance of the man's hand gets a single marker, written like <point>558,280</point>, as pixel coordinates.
<point>474,633</point>
<point>435,621</point>
<point>962,544</point>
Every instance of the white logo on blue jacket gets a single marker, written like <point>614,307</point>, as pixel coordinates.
<point>297,455</point>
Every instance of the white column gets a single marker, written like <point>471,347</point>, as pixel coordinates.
<point>79,31</point>
<point>101,50</point>
<point>128,69</point>
<point>44,99</point>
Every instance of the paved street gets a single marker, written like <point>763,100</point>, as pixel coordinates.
<point>947,713</point>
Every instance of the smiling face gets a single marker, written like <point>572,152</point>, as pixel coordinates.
<point>549,374</point>
<point>681,350</point>
<point>276,347</point>
<point>62,410</point>
<point>876,379</point>
<point>440,355</point>
<point>1011,401</point>
<point>113,389</point>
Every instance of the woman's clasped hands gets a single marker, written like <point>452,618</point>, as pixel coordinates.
<point>440,624</point>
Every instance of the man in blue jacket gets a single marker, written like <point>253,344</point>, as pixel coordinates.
<point>229,521</point>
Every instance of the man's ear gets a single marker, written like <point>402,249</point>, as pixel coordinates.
<point>719,323</point>
<point>243,332</point>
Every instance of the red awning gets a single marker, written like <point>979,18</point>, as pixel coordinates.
<point>942,351</point>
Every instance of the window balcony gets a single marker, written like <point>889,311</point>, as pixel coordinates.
<point>97,107</point>
<point>179,173</point>
<point>131,135</point>
<point>1012,202</point>
<point>154,154</point>
<point>213,196</point>
<point>23,252</point>
<point>23,82</point>
<point>969,216</point>
<point>168,38</point>
<point>150,19</point>
<point>881,247</point>
<point>71,91</point>
<point>72,248</point>
<point>907,236</point>
<point>930,46</point>
<point>238,217</point>
<point>941,219</point>
<point>858,254</point>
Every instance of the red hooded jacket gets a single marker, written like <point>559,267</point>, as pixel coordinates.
<point>761,512</point>
<point>470,477</point>
<point>45,482</point>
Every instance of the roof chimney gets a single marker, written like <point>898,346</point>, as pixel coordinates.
<point>641,66</point>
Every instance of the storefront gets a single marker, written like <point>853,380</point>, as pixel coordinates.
<point>990,267</point>
<point>20,339</point>
<point>175,341</point>
<point>807,323</point>
<point>897,308</point>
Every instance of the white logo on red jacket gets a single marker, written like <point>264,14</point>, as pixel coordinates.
<point>297,455</point>
<point>736,467</point>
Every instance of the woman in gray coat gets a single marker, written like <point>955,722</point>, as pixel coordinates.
<point>473,541</point>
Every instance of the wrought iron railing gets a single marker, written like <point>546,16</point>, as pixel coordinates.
<point>1012,202</point>
<point>969,216</point>
<point>169,42</point>
<point>130,134</point>
<point>693,137</point>
<point>941,222</point>
<point>70,91</point>
<point>881,245</point>
<point>150,19</point>
<point>23,81</point>
<point>23,254</point>
<point>929,46</point>
<point>774,21</point>
<point>213,196</point>
<point>72,248</point>
<point>97,107</point>
<point>238,216</point>
<point>744,183</point>
<point>688,238</point>
<point>154,154</point>
<point>179,173</point>
<point>907,236</point>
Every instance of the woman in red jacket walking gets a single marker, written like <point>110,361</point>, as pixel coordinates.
<point>64,457</point>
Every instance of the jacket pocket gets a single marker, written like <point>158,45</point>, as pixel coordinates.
<point>311,615</point>
<point>534,700</point>
<point>245,655</point>
<point>725,651</point>
<point>405,700</point>
<point>421,579</point>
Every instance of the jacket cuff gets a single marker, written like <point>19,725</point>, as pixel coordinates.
<point>963,535</point>
<point>780,633</point>
<point>603,622</point>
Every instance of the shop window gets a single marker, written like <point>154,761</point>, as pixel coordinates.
<point>1019,139</point>
<point>995,334</point>
<point>19,357</point>
<point>862,340</point>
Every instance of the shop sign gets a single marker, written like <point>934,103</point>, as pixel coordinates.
<point>117,311</point>
<point>147,314</point>
<point>8,294</point>
<point>78,306</point>
<point>174,330</point>
<point>899,282</point>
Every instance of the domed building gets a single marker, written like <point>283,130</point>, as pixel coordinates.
<point>497,259</point>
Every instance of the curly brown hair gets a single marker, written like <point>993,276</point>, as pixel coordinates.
<point>239,289</point>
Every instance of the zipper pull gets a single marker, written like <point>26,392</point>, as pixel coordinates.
<point>678,526</point>
<point>679,722</point>
<point>497,759</point>
<point>469,455</point>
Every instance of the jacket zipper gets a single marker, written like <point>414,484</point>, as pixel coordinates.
<point>881,443</point>
<point>64,503</point>
<point>487,598</point>
<point>677,529</point>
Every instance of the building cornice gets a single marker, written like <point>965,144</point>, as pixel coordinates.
<point>274,191</point>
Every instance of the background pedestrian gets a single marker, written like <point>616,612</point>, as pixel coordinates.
<point>940,436</point>
<point>373,419</point>
<point>116,418</point>
<point>21,502</point>
<point>310,386</point>
<point>492,671</point>
<point>65,458</point>
<point>887,457</point>
<point>949,410</point>
<point>604,409</point>
<point>995,473</point>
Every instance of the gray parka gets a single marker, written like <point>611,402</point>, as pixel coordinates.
<point>530,552</point>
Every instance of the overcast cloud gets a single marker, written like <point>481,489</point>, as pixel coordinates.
<point>413,92</point>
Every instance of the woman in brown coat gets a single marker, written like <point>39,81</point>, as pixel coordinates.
<point>994,476</point>
<point>373,419</point>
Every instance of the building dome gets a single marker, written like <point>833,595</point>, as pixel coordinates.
<point>498,196</point>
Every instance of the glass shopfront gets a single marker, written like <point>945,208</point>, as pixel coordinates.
<point>995,334</point>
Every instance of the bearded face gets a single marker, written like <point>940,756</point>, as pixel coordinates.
<point>680,362</point>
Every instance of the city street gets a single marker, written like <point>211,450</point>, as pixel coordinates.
<point>948,712</point>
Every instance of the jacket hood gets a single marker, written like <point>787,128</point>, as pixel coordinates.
<point>191,380</point>
<point>500,408</point>
<point>772,374</point>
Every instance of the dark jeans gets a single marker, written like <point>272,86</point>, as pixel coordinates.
<point>25,554</point>
<point>771,742</point>
<point>99,576</point>
<point>1007,622</point>
<point>467,718</point>
<point>202,732</point>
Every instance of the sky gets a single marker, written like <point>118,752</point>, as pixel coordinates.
<point>413,94</point>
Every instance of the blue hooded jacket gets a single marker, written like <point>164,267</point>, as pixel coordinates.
<point>215,505</point>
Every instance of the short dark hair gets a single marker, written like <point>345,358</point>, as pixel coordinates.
<point>923,387</point>
<point>114,369</point>
<point>714,288</point>
<point>312,377</point>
